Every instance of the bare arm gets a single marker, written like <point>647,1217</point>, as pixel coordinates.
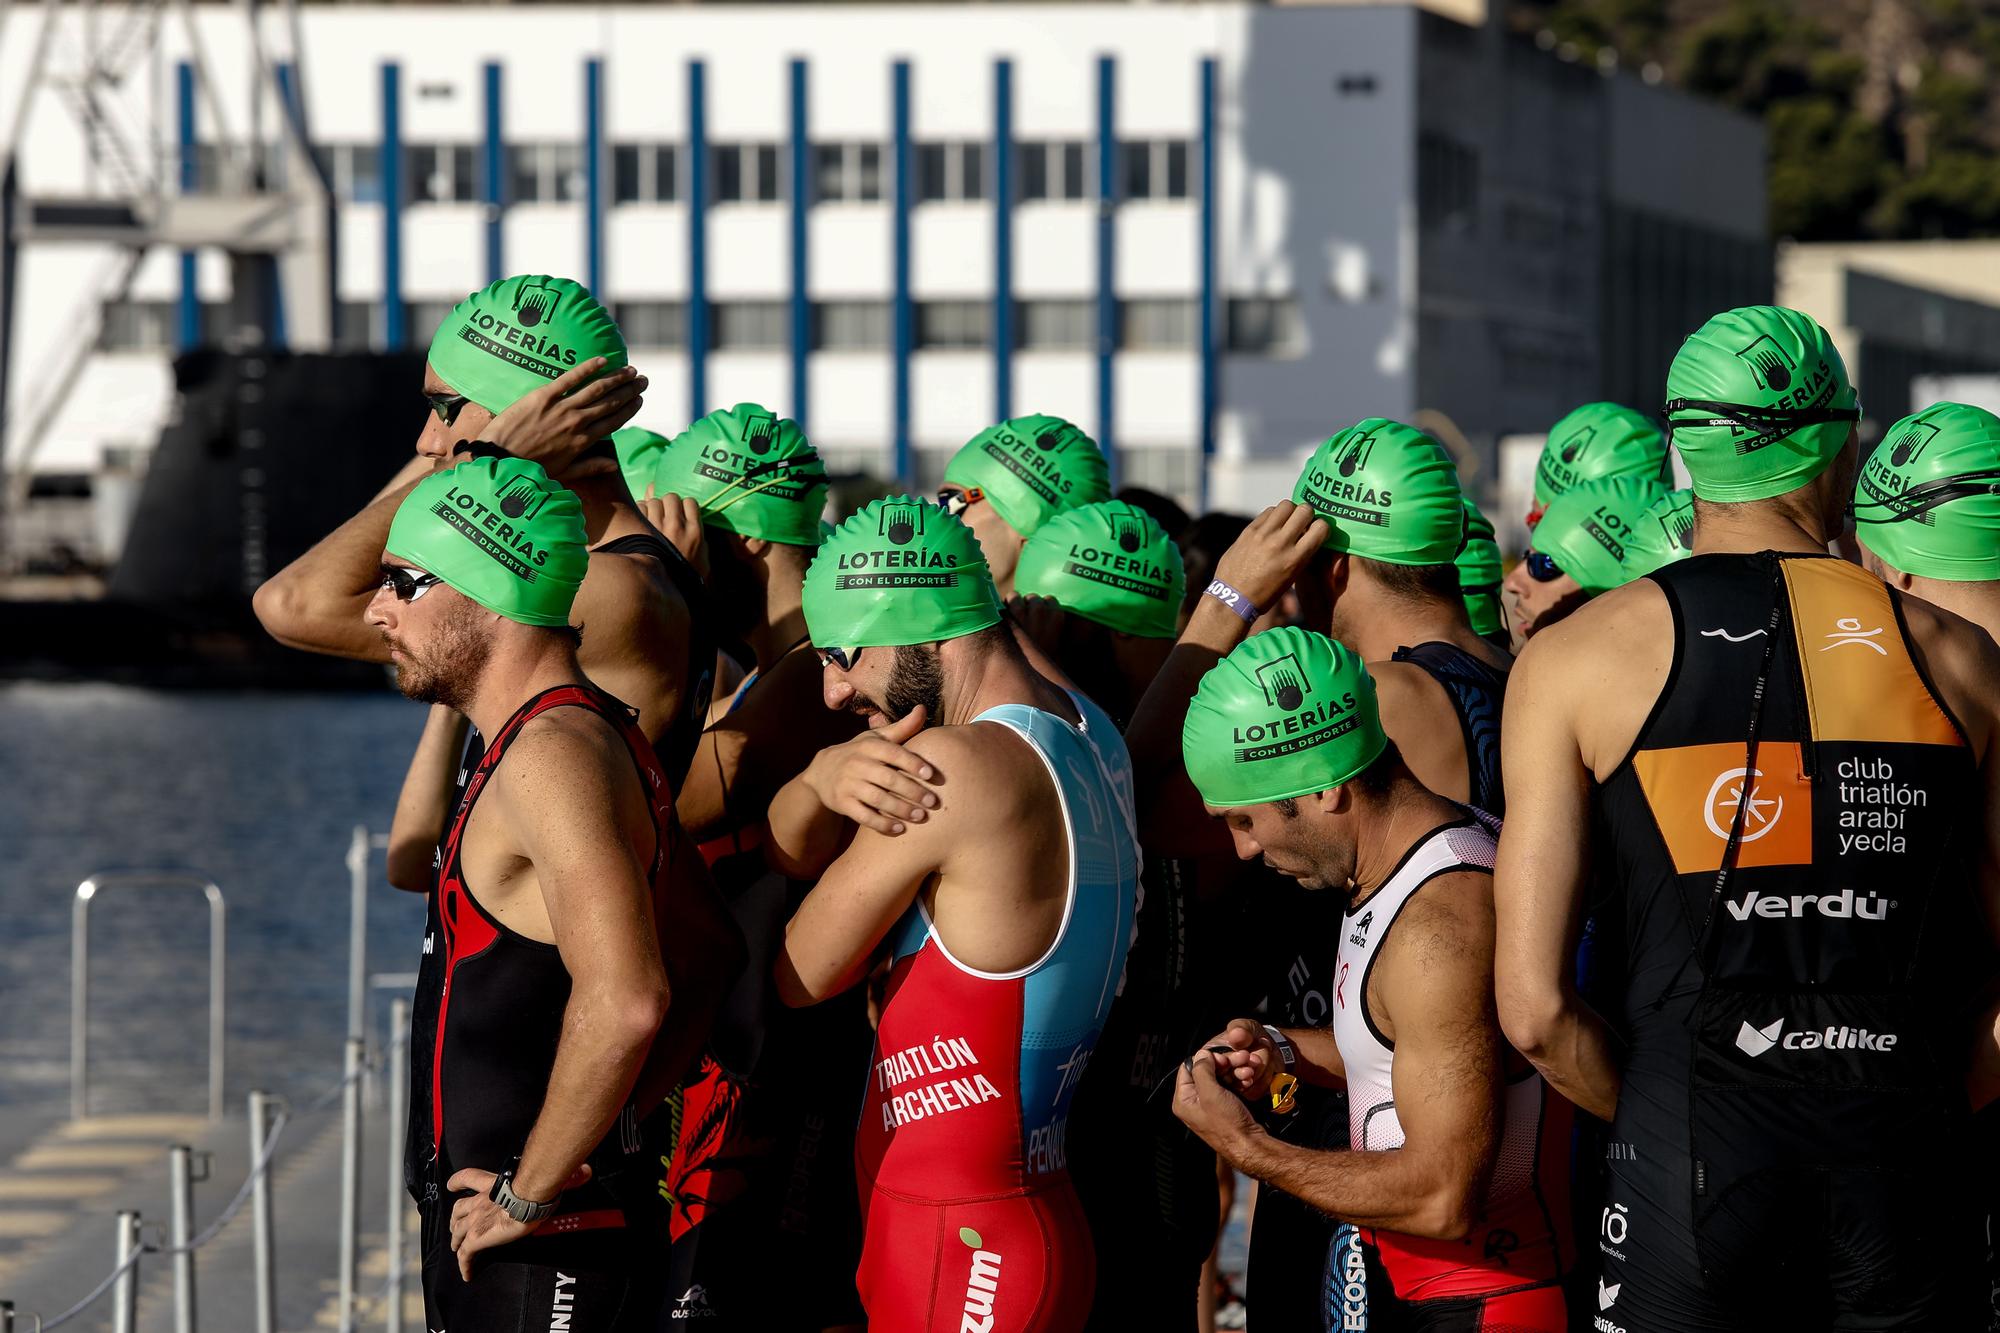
<point>424,805</point>
<point>872,781</point>
<point>1539,882</point>
<point>746,755</point>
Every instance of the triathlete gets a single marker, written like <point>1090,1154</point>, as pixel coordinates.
<point>1013,477</point>
<point>1593,537</point>
<point>1787,771</point>
<point>1927,510</point>
<point>1102,587</point>
<point>582,948</point>
<point>1594,441</point>
<point>1450,1188</point>
<point>1007,908</point>
<point>763,1177</point>
<point>1479,577</point>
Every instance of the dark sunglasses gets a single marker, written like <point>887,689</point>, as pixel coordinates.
<point>844,658</point>
<point>956,502</point>
<point>1542,567</point>
<point>446,406</point>
<point>408,584</point>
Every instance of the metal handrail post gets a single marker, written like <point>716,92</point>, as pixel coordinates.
<point>350,1176</point>
<point>79,979</point>
<point>357,933</point>
<point>180,1229</point>
<point>399,1115</point>
<point>125,1291</point>
<point>262,1247</point>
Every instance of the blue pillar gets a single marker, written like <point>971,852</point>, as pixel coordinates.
<point>593,176</point>
<point>697,287</point>
<point>1003,239</point>
<point>904,314</point>
<point>494,186</point>
<point>801,199</point>
<point>1107,296</point>
<point>1209,368</point>
<point>392,207</point>
<point>187,320</point>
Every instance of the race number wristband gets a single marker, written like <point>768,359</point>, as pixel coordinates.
<point>1285,1086</point>
<point>1234,600</point>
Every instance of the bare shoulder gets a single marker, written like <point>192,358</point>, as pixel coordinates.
<point>984,760</point>
<point>628,587</point>
<point>564,757</point>
<point>1401,682</point>
<point>1962,661</point>
<point>1602,667</point>
<point>1446,926</point>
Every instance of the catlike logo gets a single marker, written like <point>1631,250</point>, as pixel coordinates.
<point>1283,683</point>
<point>1769,363</point>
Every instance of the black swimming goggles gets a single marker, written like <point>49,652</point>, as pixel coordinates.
<point>1918,501</point>
<point>844,658</point>
<point>1771,424</point>
<point>408,584</point>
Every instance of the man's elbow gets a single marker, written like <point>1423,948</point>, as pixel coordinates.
<point>639,1013</point>
<point>1530,1019</point>
<point>280,609</point>
<point>1450,1212</point>
<point>411,864</point>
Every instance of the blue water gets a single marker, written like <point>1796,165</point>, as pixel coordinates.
<point>259,792</point>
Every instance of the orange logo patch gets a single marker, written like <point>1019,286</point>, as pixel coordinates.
<point>1696,791</point>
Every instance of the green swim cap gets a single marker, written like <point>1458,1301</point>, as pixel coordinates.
<point>752,473</point>
<point>1289,713</point>
<point>1032,468</point>
<point>638,456</point>
<point>506,340</point>
<point>1758,403</point>
<point>1928,499</point>
<point>1388,491</point>
<point>900,571</point>
<point>499,531</point>
<point>1665,534</point>
<point>1110,562</point>
<point>1600,440</point>
<point>1591,530</point>
<point>1479,573</point>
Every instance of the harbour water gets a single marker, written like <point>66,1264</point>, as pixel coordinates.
<point>257,791</point>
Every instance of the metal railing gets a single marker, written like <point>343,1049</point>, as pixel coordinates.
<point>79,977</point>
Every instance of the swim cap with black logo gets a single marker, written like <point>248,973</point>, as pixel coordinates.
<point>1479,573</point>
<point>751,471</point>
<point>900,571</point>
<point>1592,531</point>
<point>1032,468</point>
<point>1600,440</point>
<point>1288,713</point>
<point>638,456</point>
<point>1109,562</point>
<point>500,532</point>
<point>1928,499</point>
<point>1388,492</point>
<point>504,341</point>
<point>1758,403</point>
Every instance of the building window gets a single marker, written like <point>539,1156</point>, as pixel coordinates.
<point>653,323</point>
<point>742,326</point>
<point>951,171</point>
<point>353,170</point>
<point>1051,170</point>
<point>847,172</point>
<point>1153,169</point>
<point>1447,183</point>
<point>644,173</point>
<point>439,173</point>
<point>745,173</point>
<point>421,318</point>
<point>1049,326</point>
<point>954,324</point>
<point>544,173</point>
<point>1157,325</point>
<point>846,326</point>
<point>1264,324</point>
<point>363,326</point>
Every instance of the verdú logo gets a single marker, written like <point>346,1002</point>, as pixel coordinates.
<point>901,523</point>
<point>760,431</point>
<point>1910,442</point>
<point>1573,447</point>
<point>1283,683</point>
<point>534,302</point>
<point>1352,454</point>
<point>1769,363</point>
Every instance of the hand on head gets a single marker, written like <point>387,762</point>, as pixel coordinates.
<point>1265,560</point>
<point>552,425</point>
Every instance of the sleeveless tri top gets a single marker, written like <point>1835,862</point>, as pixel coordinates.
<point>972,1075</point>
<point>1477,692</point>
<point>1521,1237</point>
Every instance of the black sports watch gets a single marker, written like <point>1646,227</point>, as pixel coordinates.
<point>518,1208</point>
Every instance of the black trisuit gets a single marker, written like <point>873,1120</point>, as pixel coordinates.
<point>1790,1149</point>
<point>1477,692</point>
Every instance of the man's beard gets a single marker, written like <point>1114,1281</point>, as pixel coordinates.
<point>449,670</point>
<point>916,676</point>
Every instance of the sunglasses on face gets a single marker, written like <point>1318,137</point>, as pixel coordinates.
<point>956,502</point>
<point>1542,567</point>
<point>446,406</point>
<point>844,658</point>
<point>408,584</point>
